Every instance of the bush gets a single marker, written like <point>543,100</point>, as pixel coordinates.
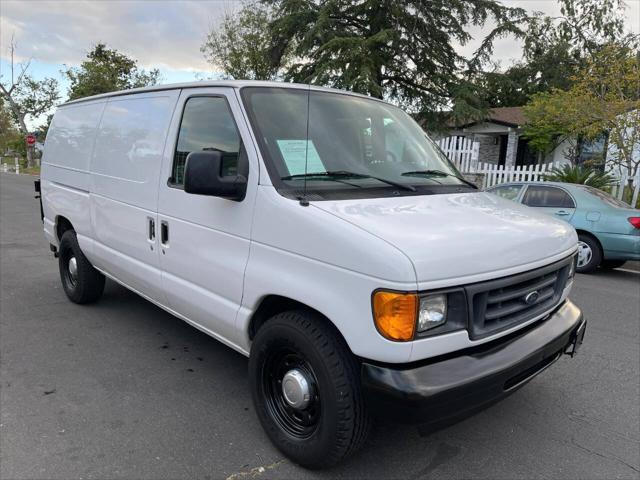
<point>580,175</point>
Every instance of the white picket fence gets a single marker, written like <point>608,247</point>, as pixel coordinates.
<point>9,164</point>
<point>496,174</point>
<point>462,151</point>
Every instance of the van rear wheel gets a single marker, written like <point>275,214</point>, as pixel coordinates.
<point>306,390</point>
<point>81,282</point>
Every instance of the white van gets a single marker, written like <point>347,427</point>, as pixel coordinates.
<point>321,234</point>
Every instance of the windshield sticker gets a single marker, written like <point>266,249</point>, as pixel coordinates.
<point>293,152</point>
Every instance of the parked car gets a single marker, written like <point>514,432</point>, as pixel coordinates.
<point>608,229</point>
<point>321,234</point>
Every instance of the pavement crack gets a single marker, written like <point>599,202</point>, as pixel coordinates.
<point>608,457</point>
<point>256,471</point>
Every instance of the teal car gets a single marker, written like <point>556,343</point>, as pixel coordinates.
<point>608,229</point>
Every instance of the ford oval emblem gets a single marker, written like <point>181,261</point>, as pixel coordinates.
<point>531,297</point>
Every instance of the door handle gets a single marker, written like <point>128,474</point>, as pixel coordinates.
<point>164,233</point>
<point>151,229</point>
<point>562,213</point>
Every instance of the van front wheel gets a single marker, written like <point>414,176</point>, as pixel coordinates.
<point>306,390</point>
<point>81,282</point>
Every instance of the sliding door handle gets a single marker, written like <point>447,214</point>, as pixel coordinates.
<point>151,229</point>
<point>164,233</point>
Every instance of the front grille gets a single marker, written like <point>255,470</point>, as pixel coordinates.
<point>500,304</point>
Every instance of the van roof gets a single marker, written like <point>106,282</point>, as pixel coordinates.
<point>211,83</point>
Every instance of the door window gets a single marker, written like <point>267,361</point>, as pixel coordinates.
<point>550,197</point>
<point>510,192</point>
<point>207,124</point>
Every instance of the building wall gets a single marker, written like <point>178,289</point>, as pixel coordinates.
<point>559,154</point>
<point>489,149</point>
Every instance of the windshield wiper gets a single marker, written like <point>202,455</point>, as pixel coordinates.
<point>438,173</point>
<point>347,174</point>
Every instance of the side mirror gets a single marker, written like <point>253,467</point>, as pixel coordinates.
<point>203,176</point>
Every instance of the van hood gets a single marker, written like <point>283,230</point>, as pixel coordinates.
<point>458,235</point>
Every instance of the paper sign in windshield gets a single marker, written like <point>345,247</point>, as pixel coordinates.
<point>294,152</point>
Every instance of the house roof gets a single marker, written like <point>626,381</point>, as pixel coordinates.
<point>509,116</point>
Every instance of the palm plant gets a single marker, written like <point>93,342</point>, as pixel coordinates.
<point>581,175</point>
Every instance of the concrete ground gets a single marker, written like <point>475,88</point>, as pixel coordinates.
<point>121,389</point>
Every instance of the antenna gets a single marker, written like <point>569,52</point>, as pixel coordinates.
<point>303,200</point>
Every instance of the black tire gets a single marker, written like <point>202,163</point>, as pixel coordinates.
<point>611,264</point>
<point>335,423</point>
<point>594,253</point>
<point>87,284</point>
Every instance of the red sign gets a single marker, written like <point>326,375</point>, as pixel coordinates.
<point>31,140</point>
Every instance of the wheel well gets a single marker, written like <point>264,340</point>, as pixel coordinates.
<point>62,225</point>
<point>591,235</point>
<point>272,305</point>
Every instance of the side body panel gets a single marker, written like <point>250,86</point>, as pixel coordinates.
<point>322,261</point>
<point>65,170</point>
<point>124,187</point>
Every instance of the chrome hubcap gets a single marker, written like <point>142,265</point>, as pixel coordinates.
<point>296,389</point>
<point>73,268</point>
<point>584,254</point>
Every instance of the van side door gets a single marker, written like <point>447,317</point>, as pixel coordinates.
<point>204,240</point>
<point>125,168</point>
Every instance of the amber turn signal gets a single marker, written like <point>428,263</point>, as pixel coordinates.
<point>395,314</point>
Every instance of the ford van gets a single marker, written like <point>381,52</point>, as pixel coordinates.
<point>323,235</point>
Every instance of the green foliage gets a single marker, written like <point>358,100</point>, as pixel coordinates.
<point>580,175</point>
<point>240,46</point>
<point>604,97</point>
<point>107,70</point>
<point>18,145</point>
<point>554,51</point>
<point>404,51</point>
<point>35,97</point>
<point>22,96</point>
<point>9,133</point>
<point>400,50</point>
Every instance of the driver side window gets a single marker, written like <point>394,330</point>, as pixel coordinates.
<point>207,124</point>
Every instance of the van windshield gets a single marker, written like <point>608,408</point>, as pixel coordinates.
<point>351,147</point>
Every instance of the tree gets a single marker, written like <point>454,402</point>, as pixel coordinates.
<point>554,50</point>
<point>107,70</point>
<point>604,97</point>
<point>26,97</point>
<point>399,50</point>
<point>9,134</point>
<point>239,45</point>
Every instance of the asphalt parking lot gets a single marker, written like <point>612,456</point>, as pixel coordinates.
<point>121,389</point>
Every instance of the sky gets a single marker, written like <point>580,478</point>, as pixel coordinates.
<point>163,34</point>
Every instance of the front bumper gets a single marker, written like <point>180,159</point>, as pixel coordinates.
<point>440,391</point>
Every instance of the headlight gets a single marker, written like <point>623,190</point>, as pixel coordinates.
<point>572,266</point>
<point>406,316</point>
<point>394,314</point>
<point>433,311</point>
